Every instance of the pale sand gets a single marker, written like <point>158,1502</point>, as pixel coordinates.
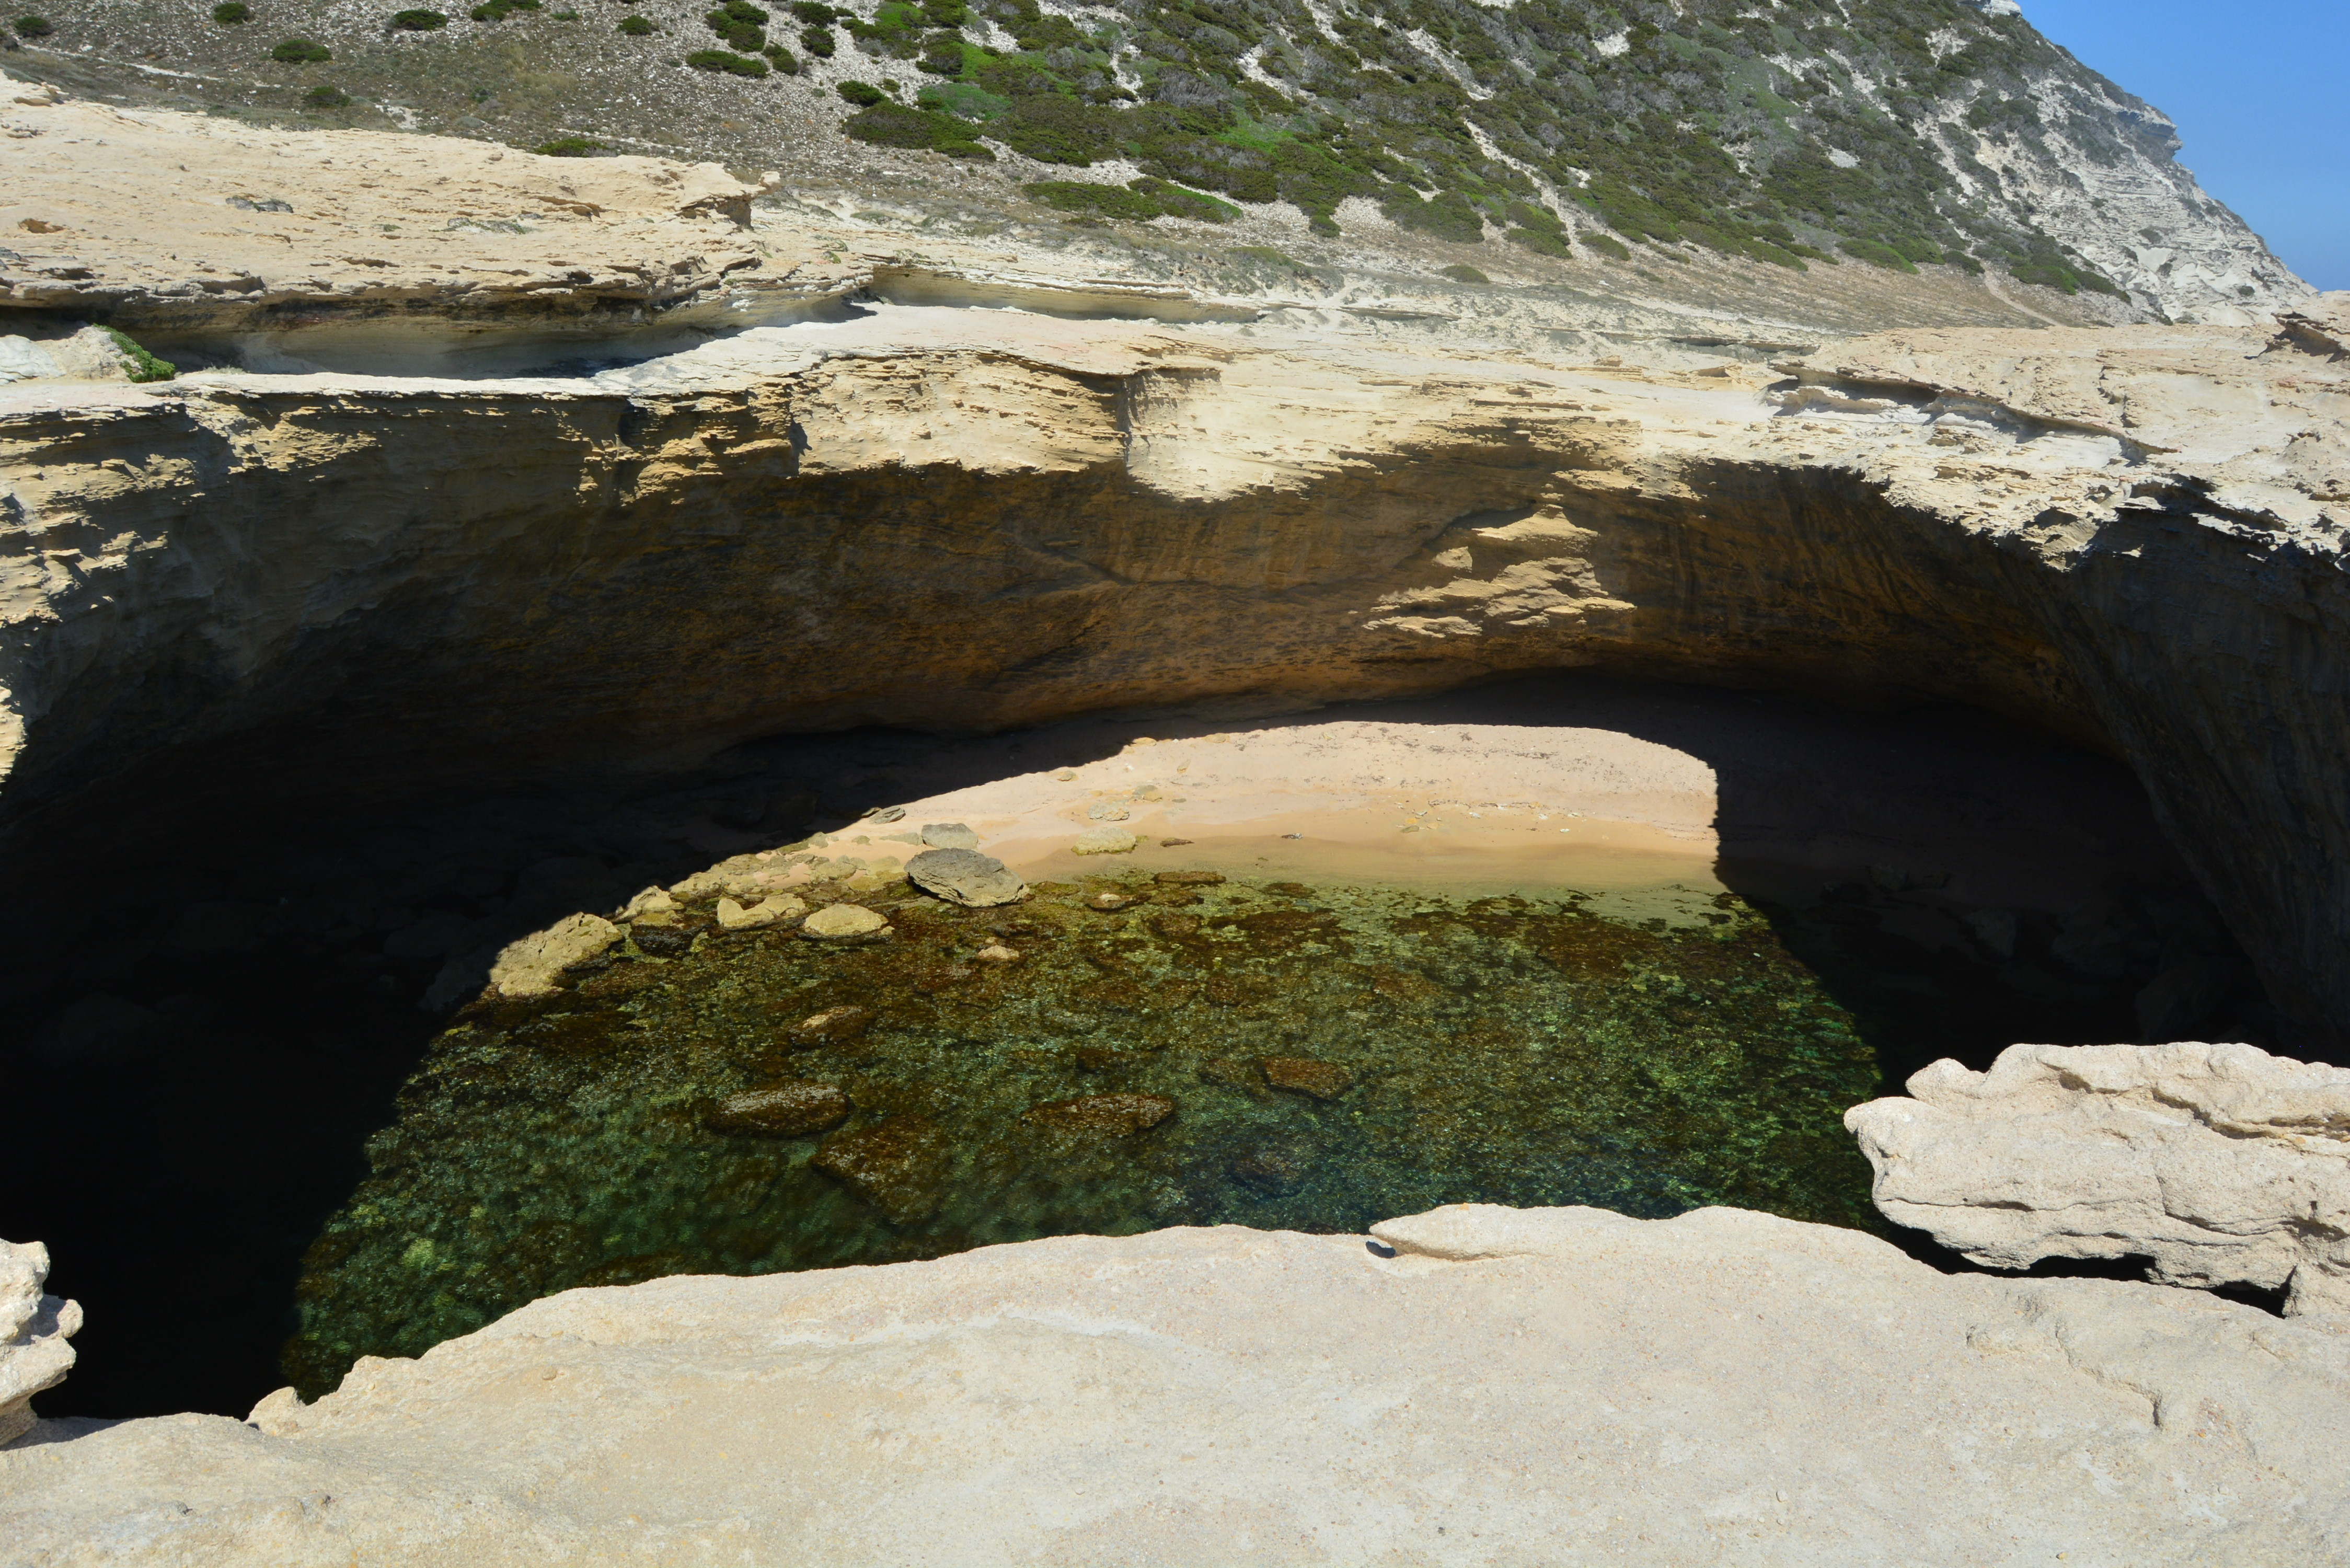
<point>1652,796</point>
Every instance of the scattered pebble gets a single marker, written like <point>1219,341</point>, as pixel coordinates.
<point>1110,903</point>
<point>948,835</point>
<point>996,952</point>
<point>833,1026</point>
<point>769,911</point>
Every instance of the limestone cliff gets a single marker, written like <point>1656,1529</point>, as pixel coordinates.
<point>940,517</point>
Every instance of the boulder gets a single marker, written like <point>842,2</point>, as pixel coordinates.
<point>2221,1163</point>
<point>965,876</point>
<point>529,967</point>
<point>1484,1385</point>
<point>948,835</point>
<point>843,922</point>
<point>34,1328</point>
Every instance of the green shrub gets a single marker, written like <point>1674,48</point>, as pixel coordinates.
<point>1542,242</point>
<point>1460,272</point>
<point>946,13</point>
<point>1877,253</point>
<point>33,26</point>
<point>144,366</point>
<point>568,147</point>
<point>300,51</point>
<point>1608,245</point>
<point>748,37</point>
<point>942,58</point>
<point>418,21</point>
<point>782,59</point>
<point>1449,217</point>
<point>326,98</point>
<point>895,125</point>
<point>1137,200</point>
<point>230,12</point>
<point>864,95</point>
<point>813,12</point>
<point>724,62</point>
<point>817,41</point>
<point>1053,127</point>
<point>636,26</point>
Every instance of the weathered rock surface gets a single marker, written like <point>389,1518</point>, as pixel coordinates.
<point>34,1328</point>
<point>1720,1388</point>
<point>965,876</point>
<point>529,967</point>
<point>2220,1163</point>
<point>840,922</point>
<point>349,238</point>
<point>1143,515</point>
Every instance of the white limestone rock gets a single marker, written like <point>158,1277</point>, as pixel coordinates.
<point>1511,1386</point>
<point>34,1328</point>
<point>2220,1163</point>
<point>529,967</point>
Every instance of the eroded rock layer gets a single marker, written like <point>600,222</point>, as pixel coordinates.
<point>957,519</point>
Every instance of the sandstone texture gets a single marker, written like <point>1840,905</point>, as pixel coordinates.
<point>529,967</point>
<point>843,922</point>
<point>34,1328</point>
<point>174,222</point>
<point>2221,1164</point>
<point>1536,1386</point>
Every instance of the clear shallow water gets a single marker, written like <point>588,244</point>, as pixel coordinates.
<point>1434,1050</point>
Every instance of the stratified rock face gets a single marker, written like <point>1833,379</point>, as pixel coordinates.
<point>33,1329</point>
<point>2221,1163</point>
<point>1547,1385</point>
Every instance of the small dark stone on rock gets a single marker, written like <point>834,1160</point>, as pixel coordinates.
<point>1322,1080</point>
<point>663,942</point>
<point>782,1110</point>
<point>1172,843</point>
<point>1108,1116</point>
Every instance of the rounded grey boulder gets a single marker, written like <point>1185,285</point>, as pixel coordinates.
<point>965,876</point>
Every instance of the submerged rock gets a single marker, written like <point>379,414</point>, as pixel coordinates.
<point>2219,1163</point>
<point>833,1026</point>
<point>1107,1115</point>
<point>965,876</point>
<point>781,1110</point>
<point>1322,1080</point>
<point>896,1166</point>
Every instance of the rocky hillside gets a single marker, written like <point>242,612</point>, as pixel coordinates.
<point>1790,134</point>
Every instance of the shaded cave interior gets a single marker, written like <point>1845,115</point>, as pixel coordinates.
<point>220,998</point>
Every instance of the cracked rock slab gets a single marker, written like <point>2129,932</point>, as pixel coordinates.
<point>1506,1387</point>
<point>2221,1164</point>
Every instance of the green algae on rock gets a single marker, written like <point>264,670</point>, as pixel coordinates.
<point>1190,1051</point>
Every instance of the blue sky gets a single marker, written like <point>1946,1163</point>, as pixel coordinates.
<point>2257,89</point>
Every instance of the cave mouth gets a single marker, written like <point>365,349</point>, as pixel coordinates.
<point>224,1011</point>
